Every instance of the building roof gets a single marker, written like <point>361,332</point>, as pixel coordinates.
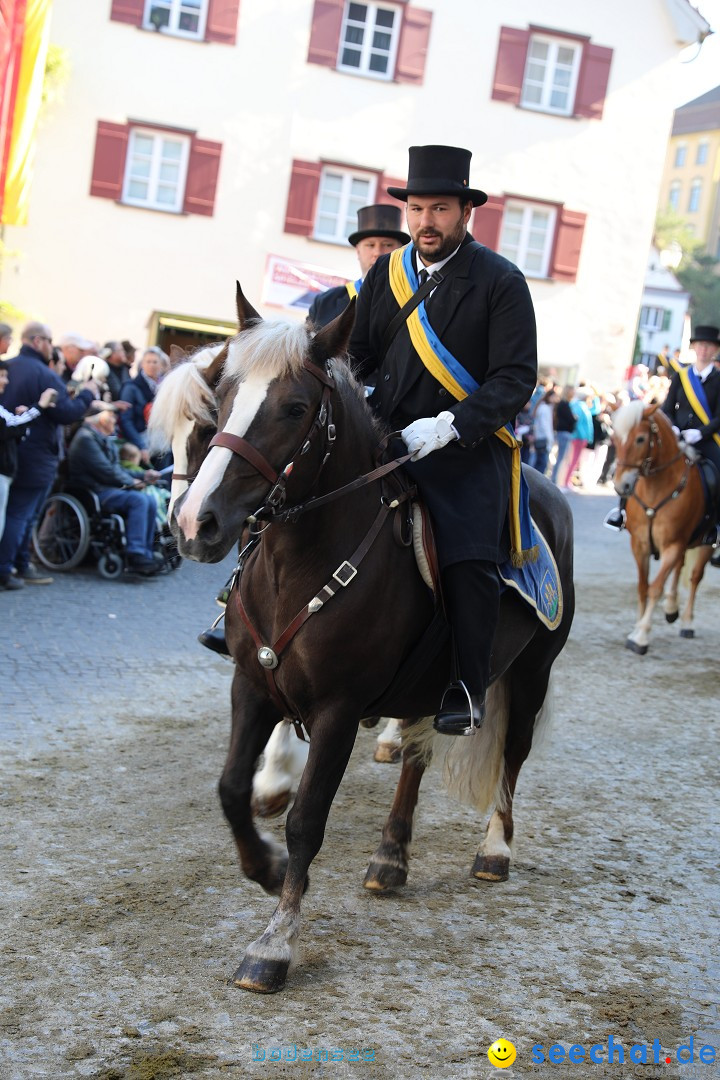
<point>700,114</point>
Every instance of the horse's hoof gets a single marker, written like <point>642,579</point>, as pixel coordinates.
<point>387,752</point>
<point>272,806</point>
<point>491,867</point>
<point>687,633</point>
<point>261,976</point>
<point>634,647</point>
<point>370,721</point>
<point>672,616</point>
<point>385,875</point>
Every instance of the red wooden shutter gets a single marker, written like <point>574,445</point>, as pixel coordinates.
<point>413,45</point>
<point>111,143</point>
<point>568,241</point>
<point>325,33</point>
<point>510,66</point>
<point>202,177</point>
<point>487,221</point>
<point>222,21</point>
<point>381,195</point>
<point>593,81</point>
<point>127,11</point>
<point>302,197</point>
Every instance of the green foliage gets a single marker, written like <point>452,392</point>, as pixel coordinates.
<point>700,275</point>
<point>57,73</point>
<point>673,230</point>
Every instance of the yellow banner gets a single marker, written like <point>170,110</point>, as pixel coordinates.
<point>16,195</point>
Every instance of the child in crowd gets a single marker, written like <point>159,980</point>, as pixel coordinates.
<point>130,459</point>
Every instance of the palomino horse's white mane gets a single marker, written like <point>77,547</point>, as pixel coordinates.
<point>183,394</point>
<point>269,350</point>
<point>626,417</point>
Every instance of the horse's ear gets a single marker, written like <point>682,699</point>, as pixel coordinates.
<point>246,313</point>
<point>333,339</point>
<point>211,374</point>
<point>177,355</point>
<point>649,410</point>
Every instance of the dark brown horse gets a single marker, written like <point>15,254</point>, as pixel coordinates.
<point>327,608</point>
<point>665,512</point>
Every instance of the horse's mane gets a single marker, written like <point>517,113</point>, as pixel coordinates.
<point>269,348</point>
<point>626,417</point>
<point>183,393</point>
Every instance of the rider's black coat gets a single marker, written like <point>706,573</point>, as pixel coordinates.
<point>484,316</point>
<point>677,407</point>
<point>328,305</point>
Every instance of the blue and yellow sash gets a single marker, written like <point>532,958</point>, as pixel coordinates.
<point>353,287</point>
<point>697,399</point>
<point>450,373</point>
<point>669,363</point>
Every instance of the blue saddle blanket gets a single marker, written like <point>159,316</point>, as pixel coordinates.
<point>538,583</point>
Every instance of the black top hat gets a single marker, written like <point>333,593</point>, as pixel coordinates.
<point>439,170</point>
<point>379,220</point>
<point>706,333</point>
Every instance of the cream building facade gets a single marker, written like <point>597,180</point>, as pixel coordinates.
<point>201,141</point>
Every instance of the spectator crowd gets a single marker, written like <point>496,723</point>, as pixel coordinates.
<point>69,413</point>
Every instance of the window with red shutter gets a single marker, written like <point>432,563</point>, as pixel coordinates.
<point>381,194</point>
<point>552,72</point>
<point>568,243</point>
<point>302,197</point>
<point>128,11</point>
<point>327,21</point>
<point>222,20</point>
<point>487,221</point>
<point>202,177</point>
<point>111,142</point>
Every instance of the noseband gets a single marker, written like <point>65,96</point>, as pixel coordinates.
<point>322,420</point>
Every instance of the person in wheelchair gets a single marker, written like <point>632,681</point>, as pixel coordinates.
<point>94,464</point>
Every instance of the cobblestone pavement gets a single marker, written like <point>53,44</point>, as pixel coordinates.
<point>124,911</point>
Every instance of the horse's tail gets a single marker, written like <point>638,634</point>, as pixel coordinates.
<point>472,768</point>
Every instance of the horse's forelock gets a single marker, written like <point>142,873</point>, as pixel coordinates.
<point>626,417</point>
<point>183,394</point>
<point>269,349</point>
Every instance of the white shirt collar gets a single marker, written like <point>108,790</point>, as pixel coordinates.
<point>702,375</point>
<point>420,265</point>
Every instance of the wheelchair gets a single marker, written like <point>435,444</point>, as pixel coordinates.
<point>72,527</point>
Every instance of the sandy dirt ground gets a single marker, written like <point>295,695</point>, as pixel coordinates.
<point>124,912</point>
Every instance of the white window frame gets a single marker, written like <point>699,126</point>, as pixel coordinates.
<point>652,318</point>
<point>519,256</point>
<point>366,48</point>
<point>695,195</point>
<point>674,195</point>
<point>339,236</point>
<point>702,152</point>
<point>151,203</point>
<point>555,44</point>
<point>173,27</point>
<point>680,156</point>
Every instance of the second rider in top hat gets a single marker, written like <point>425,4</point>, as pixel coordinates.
<point>451,389</point>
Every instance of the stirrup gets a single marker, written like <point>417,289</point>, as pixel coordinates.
<point>615,519</point>
<point>460,712</point>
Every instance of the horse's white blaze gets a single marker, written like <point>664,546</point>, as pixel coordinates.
<point>249,397</point>
<point>284,760</point>
<point>494,842</point>
<point>180,459</point>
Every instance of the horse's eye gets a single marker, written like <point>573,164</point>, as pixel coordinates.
<point>640,439</point>
<point>297,410</point>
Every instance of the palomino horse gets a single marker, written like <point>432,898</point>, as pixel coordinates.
<point>327,608</point>
<point>665,511</point>
<point>184,419</point>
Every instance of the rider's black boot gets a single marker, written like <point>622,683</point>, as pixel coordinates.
<point>214,639</point>
<point>615,520</point>
<point>460,711</point>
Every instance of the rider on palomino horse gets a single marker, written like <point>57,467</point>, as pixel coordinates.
<point>693,406</point>
<point>378,233</point>
<point>451,373</point>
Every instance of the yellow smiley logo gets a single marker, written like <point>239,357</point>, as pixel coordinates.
<point>501,1054</point>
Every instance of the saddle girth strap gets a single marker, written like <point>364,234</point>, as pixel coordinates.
<point>341,578</point>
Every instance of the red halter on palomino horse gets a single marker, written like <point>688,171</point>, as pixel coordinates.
<point>665,513</point>
<point>332,606</point>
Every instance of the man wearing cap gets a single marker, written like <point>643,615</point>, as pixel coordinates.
<point>693,406</point>
<point>459,368</point>
<point>74,347</point>
<point>378,233</point>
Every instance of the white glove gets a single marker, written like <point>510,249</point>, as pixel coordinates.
<point>431,433</point>
<point>676,431</point>
<point>692,436</point>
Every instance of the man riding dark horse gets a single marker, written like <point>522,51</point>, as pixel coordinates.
<point>451,374</point>
<point>693,407</point>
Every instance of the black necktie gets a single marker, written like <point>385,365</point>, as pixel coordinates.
<point>422,277</point>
